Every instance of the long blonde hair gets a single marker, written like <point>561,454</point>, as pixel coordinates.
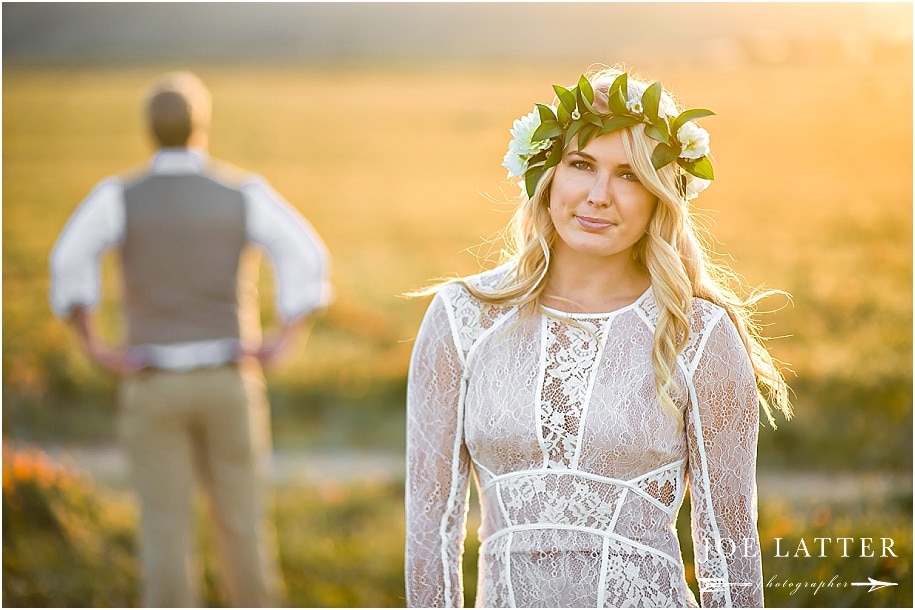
<point>676,259</point>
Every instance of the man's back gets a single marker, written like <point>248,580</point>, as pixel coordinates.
<point>182,244</point>
<point>193,404</point>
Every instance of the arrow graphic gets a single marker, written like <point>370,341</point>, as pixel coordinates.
<point>874,584</point>
<point>717,585</point>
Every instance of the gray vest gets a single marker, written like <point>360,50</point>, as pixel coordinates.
<point>181,253</point>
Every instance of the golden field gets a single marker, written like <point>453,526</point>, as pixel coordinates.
<point>398,168</point>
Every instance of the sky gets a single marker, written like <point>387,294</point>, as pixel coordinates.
<point>420,32</point>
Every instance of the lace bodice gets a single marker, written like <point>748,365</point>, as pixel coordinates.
<point>581,471</point>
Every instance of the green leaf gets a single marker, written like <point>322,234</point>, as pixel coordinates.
<point>531,178</point>
<point>573,129</point>
<point>615,123</point>
<point>553,155</point>
<point>548,129</point>
<point>585,134</point>
<point>621,83</point>
<point>700,168</point>
<point>585,107</point>
<point>585,97</point>
<point>663,154</point>
<point>537,159</point>
<point>584,88</point>
<point>658,131</point>
<point>546,113</point>
<point>566,98</point>
<point>563,114</point>
<point>651,101</point>
<point>618,94</point>
<point>593,118</point>
<point>689,115</point>
<point>617,103</point>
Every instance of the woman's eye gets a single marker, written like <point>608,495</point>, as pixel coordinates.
<point>579,164</point>
<point>629,176</point>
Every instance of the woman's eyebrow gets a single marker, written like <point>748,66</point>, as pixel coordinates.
<point>582,154</point>
<point>585,156</point>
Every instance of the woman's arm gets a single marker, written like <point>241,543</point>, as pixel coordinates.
<point>722,426</point>
<point>438,466</point>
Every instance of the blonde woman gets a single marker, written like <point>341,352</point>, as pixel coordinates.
<point>604,369</point>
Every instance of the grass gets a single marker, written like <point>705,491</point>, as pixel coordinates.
<point>68,541</point>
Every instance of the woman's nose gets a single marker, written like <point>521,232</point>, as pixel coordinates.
<point>600,194</point>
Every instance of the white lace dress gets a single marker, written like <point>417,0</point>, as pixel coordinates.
<point>581,472</point>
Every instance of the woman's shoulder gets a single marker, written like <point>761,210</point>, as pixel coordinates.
<point>707,318</point>
<point>485,281</point>
<point>711,328</point>
<point>470,316</point>
<point>705,314</point>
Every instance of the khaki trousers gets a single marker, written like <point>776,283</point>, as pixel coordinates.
<point>212,423</point>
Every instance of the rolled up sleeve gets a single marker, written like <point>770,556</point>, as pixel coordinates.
<point>299,257</point>
<point>97,224</point>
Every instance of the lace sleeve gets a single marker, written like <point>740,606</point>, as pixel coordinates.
<point>438,466</point>
<point>722,429</point>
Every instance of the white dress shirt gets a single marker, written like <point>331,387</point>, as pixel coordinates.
<point>300,260</point>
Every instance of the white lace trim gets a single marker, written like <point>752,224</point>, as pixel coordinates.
<point>594,532</point>
<point>631,485</point>
<point>568,441</point>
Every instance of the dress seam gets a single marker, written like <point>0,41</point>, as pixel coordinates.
<point>452,327</point>
<point>506,531</point>
<point>455,464</point>
<point>505,515</point>
<point>706,488</point>
<point>598,360</point>
<point>700,348</point>
<point>619,508</point>
<point>538,399</point>
<point>471,351</point>
<point>602,580</point>
<point>629,485</point>
<point>508,568</point>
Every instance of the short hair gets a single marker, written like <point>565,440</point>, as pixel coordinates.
<point>178,105</point>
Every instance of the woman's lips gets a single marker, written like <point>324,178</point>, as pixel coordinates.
<point>593,224</point>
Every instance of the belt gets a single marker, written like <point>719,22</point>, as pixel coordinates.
<point>185,356</point>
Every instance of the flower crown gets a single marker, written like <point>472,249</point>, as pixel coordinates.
<point>548,130</point>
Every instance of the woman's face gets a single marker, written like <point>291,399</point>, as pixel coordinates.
<point>597,203</point>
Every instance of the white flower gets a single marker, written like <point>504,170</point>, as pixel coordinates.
<point>695,185</point>
<point>693,141</point>
<point>634,106</point>
<point>575,114</point>
<point>522,148</point>
<point>515,165</point>
<point>523,132</point>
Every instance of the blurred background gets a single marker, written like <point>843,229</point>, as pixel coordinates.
<point>385,125</point>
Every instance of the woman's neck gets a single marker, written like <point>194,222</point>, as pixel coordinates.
<point>587,284</point>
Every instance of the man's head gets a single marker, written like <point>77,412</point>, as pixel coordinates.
<point>178,109</point>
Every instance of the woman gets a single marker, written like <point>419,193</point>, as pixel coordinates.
<point>590,376</point>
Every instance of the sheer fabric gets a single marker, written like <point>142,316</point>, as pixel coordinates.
<point>581,471</point>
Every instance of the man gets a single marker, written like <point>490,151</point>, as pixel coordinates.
<point>192,395</point>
